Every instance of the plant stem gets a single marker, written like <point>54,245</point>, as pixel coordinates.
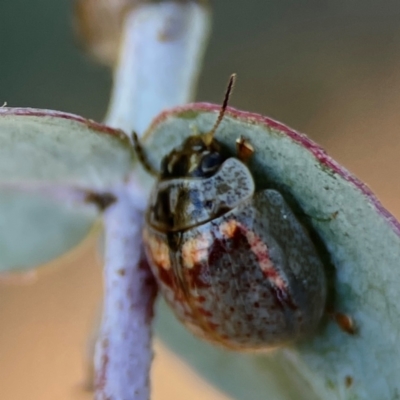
<point>159,62</point>
<point>123,351</point>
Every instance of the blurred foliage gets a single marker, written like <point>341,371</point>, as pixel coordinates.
<point>294,59</point>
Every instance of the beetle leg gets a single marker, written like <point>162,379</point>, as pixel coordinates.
<point>244,149</point>
<point>344,321</point>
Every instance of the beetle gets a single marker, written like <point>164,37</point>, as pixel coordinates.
<point>236,265</point>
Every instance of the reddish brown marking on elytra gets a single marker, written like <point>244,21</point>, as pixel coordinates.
<point>204,312</point>
<point>201,299</point>
<point>271,274</point>
<point>239,237</point>
<point>157,249</point>
<point>212,325</point>
<point>239,233</point>
<point>165,276</point>
<point>260,250</point>
<point>217,250</point>
<point>197,276</point>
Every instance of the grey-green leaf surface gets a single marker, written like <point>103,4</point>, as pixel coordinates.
<point>362,240</point>
<point>35,229</point>
<point>48,162</point>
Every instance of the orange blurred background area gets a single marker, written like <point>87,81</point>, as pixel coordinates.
<point>330,69</point>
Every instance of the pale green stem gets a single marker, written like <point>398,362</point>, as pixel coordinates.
<point>159,62</point>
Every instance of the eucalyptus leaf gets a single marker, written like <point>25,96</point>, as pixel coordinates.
<point>49,161</point>
<point>35,229</point>
<point>55,147</point>
<point>362,241</point>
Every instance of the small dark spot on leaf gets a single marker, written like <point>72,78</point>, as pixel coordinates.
<point>348,380</point>
<point>101,200</point>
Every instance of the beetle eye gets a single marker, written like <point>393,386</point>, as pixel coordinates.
<point>175,165</point>
<point>180,167</point>
<point>211,162</point>
<point>164,165</point>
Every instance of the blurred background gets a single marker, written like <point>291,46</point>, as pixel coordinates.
<point>330,69</point>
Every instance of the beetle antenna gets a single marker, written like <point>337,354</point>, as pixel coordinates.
<point>208,137</point>
<point>142,156</point>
